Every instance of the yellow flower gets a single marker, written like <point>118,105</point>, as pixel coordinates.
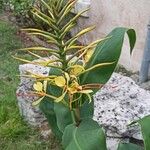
<point>38,86</point>
<point>74,87</point>
<point>60,81</point>
<point>76,69</point>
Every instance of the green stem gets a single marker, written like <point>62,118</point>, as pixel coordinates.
<point>73,117</point>
<point>77,116</point>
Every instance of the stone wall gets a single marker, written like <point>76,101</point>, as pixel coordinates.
<point>109,14</point>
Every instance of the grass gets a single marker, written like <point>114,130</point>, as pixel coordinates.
<point>15,134</point>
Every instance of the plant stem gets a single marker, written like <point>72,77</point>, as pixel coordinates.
<point>73,117</point>
<point>75,113</point>
<point>77,116</point>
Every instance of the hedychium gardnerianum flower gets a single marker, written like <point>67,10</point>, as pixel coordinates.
<point>54,16</point>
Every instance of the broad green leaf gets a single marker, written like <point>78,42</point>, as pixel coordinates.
<point>107,51</point>
<point>87,136</point>
<point>145,128</point>
<point>87,109</point>
<point>129,146</point>
<point>63,116</point>
<point>47,107</point>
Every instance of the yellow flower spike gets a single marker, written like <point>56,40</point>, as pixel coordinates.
<point>88,55</point>
<point>38,86</point>
<point>76,70</point>
<point>60,81</point>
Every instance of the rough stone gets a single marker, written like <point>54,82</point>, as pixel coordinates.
<point>119,103</point>
<point>145,85</point>
<point>112,143</point>
<point>25,97</point>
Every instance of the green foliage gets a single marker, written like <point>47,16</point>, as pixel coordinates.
<point>63,116</point>
<point>107,51</point>
<point>87,136</point>
<point>21,7</point>
<point>47,108</point>
<point>145,123</point>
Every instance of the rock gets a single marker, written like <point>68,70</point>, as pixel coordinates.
<point>135,77</point>
<point>145,85</point>
<point>25,97</point>
<point>119,103</point>
<point>112,143</point>
<point>45,131</point>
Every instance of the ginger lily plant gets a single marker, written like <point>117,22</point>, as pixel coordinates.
<point>76,73</point>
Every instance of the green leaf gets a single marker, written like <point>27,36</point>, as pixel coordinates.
<point>107,51</point>
<point>87,136</point>
<point>87,109</point>
<point>47,107</point>
<point>63,116</point>
<point>145,127</point>
<point>129,146</point>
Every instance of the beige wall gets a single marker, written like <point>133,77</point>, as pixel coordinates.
<point>108,14</point>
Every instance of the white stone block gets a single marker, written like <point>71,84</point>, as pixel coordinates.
<point>80,6</point>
